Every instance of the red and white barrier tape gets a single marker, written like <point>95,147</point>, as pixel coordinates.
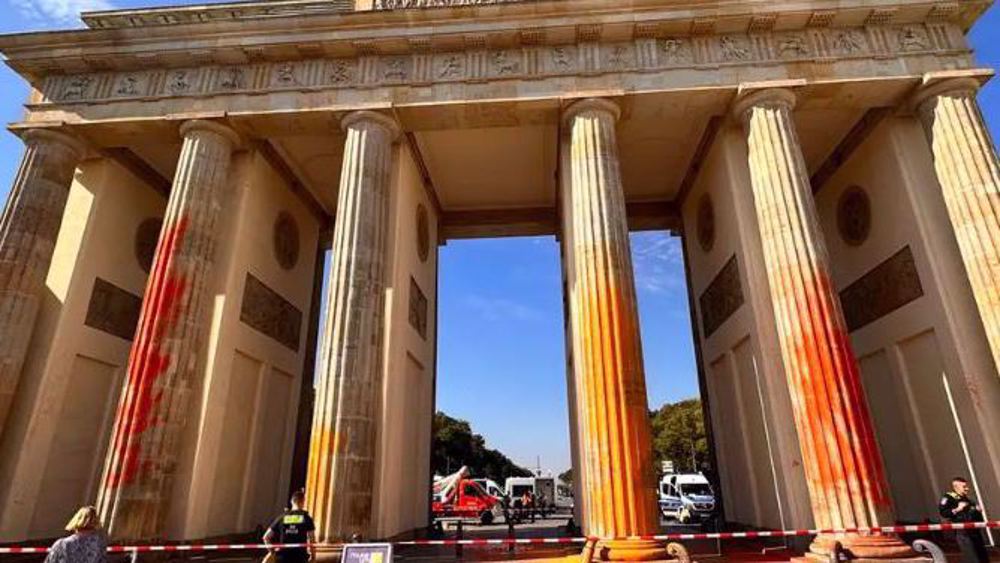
<point>723,535</point>
<point>171,548</point>
<point>548,541</point>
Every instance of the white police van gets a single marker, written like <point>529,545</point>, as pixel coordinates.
<point>686,497</point>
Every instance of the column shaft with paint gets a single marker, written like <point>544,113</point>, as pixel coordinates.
<point>969,174</point>
<point>146,441</point>
<point>615,445</point>
<point>28,231</point>
<point>342,454</point>
<point>842,463</point>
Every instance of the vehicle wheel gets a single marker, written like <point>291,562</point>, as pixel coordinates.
<point>486,518</point>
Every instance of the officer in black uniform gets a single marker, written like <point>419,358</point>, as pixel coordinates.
<point>294,526</point>
<point>956,506</point>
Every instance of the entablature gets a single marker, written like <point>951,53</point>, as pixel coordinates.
<point>481,73</point>
<point>201,36</point>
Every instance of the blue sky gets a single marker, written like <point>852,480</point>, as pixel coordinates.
<point>501,349</point>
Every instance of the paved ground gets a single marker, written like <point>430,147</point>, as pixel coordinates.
<point>552,527</point>
<point>745,551</point>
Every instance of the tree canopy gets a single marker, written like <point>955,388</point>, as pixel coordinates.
<point>455,445</point>
<point>679,435</point>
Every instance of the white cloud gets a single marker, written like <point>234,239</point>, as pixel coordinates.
<point>496,309</point>
<point>51,13</point>
<point>659,263</point>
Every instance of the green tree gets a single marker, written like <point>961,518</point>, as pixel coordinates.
<point>567,477</point>
<point>455,445</point>
<point>566,487</point>
<point>679,435</point>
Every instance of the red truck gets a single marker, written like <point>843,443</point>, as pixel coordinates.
<point>457,496</point>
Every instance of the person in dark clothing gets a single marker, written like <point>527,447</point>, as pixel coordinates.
<point>528,502</point>
<point>295,526</point>
<point>956,506</point>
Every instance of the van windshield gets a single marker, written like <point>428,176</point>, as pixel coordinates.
<point>698,489</point>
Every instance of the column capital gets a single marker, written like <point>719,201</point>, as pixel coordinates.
<point>768,98</point>
<point>952,87</point>
<point>602,105</point>
<point>372,117</point>
<point>221,129</point>
<point>40,135</point>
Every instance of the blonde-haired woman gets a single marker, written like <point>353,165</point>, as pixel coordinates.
<point>88,544</point>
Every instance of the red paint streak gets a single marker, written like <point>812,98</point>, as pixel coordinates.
<point>149,360</point>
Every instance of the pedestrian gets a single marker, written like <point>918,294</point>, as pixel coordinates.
<point>543,504</point>
<point>295,526</point>
<point>528,501</point>
<point>956,506</point>
<point>88,544</point>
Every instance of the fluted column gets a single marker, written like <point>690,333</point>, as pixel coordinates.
<point>146,442</point>
<point>843,467</point>
<point>967,169</point>
<point>345,422</point>
<point>610,388</point>
<point>28,231</point>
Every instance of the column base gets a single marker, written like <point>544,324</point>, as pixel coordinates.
<point>630,550</point>
<point>328,553</point>
<point>816,558</point>
<point>862,548</point>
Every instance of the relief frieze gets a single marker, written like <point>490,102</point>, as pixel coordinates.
<point>722,297</point>
<point>113,310</point>
<point>404,4</point>
<point>267,312</point>
<point>477,63</point>
<point>792,46</point>
<point>884,289</point>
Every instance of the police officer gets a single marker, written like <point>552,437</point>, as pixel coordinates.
<point>294,526</point>
<point>956,506</point>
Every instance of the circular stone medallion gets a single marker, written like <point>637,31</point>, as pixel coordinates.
<point>423,234</point>
<point>705,223</point>
<point>854,216</point>
<point>286,240</point>
<point>147,235</point>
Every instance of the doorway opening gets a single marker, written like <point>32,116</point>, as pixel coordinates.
<point>501,386</point>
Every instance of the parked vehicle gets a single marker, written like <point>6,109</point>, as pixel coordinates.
<point>542,487</point>
<point>457,496</point>
<point>686,497</point>
<point>491,487</point>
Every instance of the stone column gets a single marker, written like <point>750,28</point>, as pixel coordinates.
<point>146,442</point>
<point>345,423</point>
<point>617,473</point>
<point>28,231</point>
<point>969,174</point>
<point>842,464</point>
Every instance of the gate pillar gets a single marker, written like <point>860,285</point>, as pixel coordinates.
<point>341,470</point>
<point>969,173</point>
<point>842,463</point>
<point>610,389</point>
<point>147,438</point>
<point>28,231</point>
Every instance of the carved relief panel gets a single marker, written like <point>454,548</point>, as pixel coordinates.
<point>531,60</point>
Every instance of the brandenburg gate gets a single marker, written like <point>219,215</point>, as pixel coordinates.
<point>187,169</point>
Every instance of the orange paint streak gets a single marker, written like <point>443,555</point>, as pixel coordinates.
<point>845,468</point>
<point>320,455</point>
<point>615,407</point>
